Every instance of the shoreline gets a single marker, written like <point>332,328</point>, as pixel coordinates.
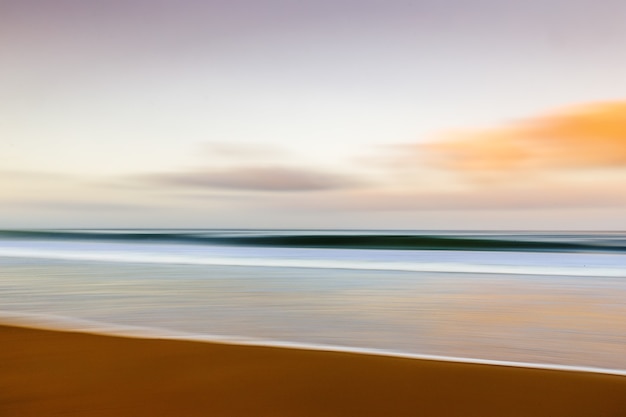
<point>56,372</point>
<point>52,322</point>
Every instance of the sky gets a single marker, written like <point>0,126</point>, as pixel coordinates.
<point>375,114</point>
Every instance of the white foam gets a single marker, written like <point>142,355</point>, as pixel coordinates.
<point>600,265</point>
<point>63,323</point>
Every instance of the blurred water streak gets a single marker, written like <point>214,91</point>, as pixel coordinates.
<point>514,317</point>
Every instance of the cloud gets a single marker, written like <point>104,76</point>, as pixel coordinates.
<point>578,139</point>
<point>255,178</point>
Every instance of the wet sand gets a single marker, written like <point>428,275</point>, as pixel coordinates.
<point>59,373</point>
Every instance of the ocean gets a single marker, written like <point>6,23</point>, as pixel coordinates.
<point>556,298</point>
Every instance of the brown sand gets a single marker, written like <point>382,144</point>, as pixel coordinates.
<point>51,373</point>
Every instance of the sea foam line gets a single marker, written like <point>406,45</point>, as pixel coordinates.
<point>206,259</point>
<point>71,324</point>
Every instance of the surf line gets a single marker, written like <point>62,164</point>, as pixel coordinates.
<point>433,267</point>
<point>70,324</point>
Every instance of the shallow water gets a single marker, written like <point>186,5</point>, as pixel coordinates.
<point>552,319</point>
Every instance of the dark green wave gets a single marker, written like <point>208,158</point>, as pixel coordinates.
<point>336,241</point>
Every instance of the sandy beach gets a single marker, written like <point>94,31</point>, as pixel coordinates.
<point>58,373</point>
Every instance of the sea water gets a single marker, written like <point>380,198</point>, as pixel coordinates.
<point>547,298</point>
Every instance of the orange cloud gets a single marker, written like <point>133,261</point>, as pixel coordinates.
<point>587,137</point>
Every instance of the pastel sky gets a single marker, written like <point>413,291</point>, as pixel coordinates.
<point>422,114</point>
